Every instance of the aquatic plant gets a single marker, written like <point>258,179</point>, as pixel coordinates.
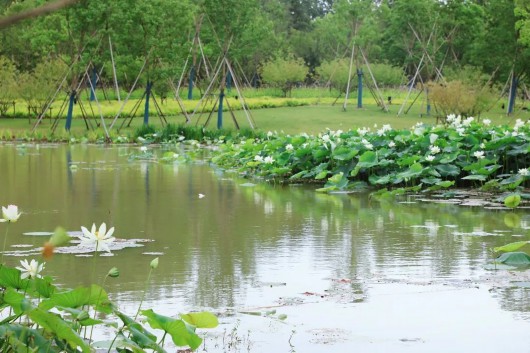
<point>463,153</point>
<point>40,317</point>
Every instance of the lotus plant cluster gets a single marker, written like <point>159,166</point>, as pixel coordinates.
<point>461,152</point>
<point>39,317</point>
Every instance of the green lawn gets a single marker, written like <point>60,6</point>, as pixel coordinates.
<point>316,114</point>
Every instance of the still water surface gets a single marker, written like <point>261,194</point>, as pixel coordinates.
<point>350,273</point>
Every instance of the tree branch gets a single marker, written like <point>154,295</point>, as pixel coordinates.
<point>38,11</point>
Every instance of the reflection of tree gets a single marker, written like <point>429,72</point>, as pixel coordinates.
<point>515,298</point>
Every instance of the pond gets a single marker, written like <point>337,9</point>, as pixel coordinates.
<point>285,268</point>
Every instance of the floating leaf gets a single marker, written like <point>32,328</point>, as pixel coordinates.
<point>512,201</point>
<point>514,259</point>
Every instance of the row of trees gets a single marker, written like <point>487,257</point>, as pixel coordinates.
<point>492,36</point>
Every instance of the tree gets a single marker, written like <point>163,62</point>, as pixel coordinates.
<point>38,86</point>
<point>8,75</point>
<point>284,73</point>
<point>467,92</point>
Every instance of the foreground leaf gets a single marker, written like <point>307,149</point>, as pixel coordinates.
<point>56,326</point>
<point>180,334</point>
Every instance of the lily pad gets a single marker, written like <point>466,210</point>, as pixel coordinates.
<point>521,284</point>
<point>38,234</point>
<point>516,258</point>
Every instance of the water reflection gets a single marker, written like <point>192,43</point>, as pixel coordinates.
<point>218,251</point>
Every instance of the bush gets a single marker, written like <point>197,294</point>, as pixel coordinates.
<point>284,73</point>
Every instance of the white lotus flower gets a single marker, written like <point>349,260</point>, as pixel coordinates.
<point>479,154</point>
<point>486,122</point>
<point>289,147</point>
<point>363,131</point>
<point>268,160</point>
<point>468,121</point>
<point>429,158</point>
<point>31,269</point>
<point>258,158</point>
<point>367,144</point>
<point>435,149</point>
<point>98,238</point>
<point>391,144</point>
<point>10,213</point>
<point>201,196</point>
<point>524,172</point>
<point>143,149</point>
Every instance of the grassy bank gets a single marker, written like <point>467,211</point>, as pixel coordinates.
<point>308,110</point>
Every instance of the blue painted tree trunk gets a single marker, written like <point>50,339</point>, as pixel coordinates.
<point>359,88</point>
<point>220,111</point>
<point>513,94</point>
<point>147,99</point>
<point>93,83</point>
<point>190,83</point>
<point>70,113</point>
<point>428,102</point>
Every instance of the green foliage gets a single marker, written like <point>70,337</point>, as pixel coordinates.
<point>511,247</point>
<point>512,201</point>
<point>144,131</point>
<point>54,319</point>
<point>514,259</point>
<point>284,73</point>
<point>8,92</point>
<point>463,154</point>
<point>458,97</point>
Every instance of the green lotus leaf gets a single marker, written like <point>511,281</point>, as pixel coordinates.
<point>516,258</point>
<point>479,177</point>
<point>201,319</point>
<point>448,170</point>
<point>180,334</point>
<point>367,160</point>
<point>344,153</point>
<point>56,326</point>
<point>380,180</point>
<point>511,246</point>
<point>322,175</point>
<point>512,201</point>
